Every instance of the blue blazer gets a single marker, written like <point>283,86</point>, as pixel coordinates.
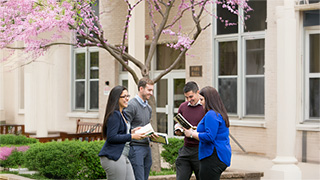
<point>116,136</point>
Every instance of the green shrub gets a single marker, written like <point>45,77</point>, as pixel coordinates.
<point>66,160</point>
<point>11,139</point>
<point>14,160</point>
<point>12,156</point>
<point>170,152</point>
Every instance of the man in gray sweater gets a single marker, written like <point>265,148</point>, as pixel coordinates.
<point>139,114</point>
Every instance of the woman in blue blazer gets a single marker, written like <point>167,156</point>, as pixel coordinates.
<point>114,153</point>
<point>213,135</point>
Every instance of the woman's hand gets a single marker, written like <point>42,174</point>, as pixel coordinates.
<point>135,129</point>
<point>187,132</point>
<point>191,133</point>
<point>138,136</point>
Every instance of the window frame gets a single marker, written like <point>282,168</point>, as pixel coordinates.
<point>307,75</point>
<point>240,37</point>
<point>87,79</point>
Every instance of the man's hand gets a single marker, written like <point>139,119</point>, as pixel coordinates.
<point>178,130</point>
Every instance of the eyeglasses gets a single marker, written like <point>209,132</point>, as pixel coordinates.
<point>125,96</point>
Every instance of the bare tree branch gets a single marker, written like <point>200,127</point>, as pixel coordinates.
<point>122,62</point>
<point>46,46</point>
<point>183,52</point>
<point>157,35</point>
<point>166,71</point>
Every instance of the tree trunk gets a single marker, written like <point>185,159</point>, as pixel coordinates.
<point>156,162</point>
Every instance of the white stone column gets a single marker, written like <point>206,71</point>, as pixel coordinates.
<point>37,97</point>
<point>136,41</point>
<point>285,162</point>
<point>2,115</point>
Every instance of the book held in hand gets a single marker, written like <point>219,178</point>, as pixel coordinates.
<point>147,130</point>
<point>184,123</point>
<point>163,138</point>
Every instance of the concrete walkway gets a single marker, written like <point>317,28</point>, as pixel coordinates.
<point>310,171</point>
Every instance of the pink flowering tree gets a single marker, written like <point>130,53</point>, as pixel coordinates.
<point>41,23</point>
<point>28,20</point>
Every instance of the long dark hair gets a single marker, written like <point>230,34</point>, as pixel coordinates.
<point>214,102</point>
<point>112,105</point>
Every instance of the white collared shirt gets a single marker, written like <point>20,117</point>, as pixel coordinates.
<point>198,103</point>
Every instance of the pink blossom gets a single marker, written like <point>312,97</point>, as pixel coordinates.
<point>28,20</point>
<point>5,152</point>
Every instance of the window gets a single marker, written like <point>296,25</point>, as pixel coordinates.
<point>239,60</point>
<point>85,90</point>
<point>166,56</point>
<point>86,79</point>
<point>312,65</point>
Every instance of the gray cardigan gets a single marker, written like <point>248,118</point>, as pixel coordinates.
<point>138,116</point>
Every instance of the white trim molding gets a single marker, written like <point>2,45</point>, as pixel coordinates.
<point>83,115</point>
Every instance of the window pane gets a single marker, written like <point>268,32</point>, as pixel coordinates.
<point>255,96</point>
<point>227,15</point>
<point>80,87</point>
<point>228,58</point>
<point>314,53</point>
<point>94,94</point>
<point>80,66</point>
<point>255,57</point>
<point>95,7</point>
<point>94,65</point>
<point>311,18</point>
<point>80,38</point>
<point>228,93</point>
<point>166,56</point>
<point>314,96</point>
<point>162,122</point>
<point>178,92</point>
<point>314,1</point>
<point>162,93</point>
<point>257,20</point>
<point>125,83</point>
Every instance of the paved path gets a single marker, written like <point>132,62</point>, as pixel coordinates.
<point>310,171</point>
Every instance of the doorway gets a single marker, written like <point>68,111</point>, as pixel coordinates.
<point>169,96</point>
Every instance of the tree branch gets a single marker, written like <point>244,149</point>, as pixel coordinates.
<point>157,35</point>
<point>166,71</point>
<point>122,62</point>
<point>45,46</point>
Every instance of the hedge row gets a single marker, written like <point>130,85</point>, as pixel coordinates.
<point>68,159</point>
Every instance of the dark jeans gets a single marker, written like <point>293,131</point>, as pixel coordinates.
<point>141,161</point>
<point>187,162</point>
<point>211,167</point>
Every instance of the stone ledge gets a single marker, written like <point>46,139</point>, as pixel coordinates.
<point>229,174</point>
<point>12,177</point>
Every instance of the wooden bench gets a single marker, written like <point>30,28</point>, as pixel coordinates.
<point>88,127</point>
<point>85,131</point>
<point>12,129</point>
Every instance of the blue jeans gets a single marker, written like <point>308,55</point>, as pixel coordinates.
<point>141,161</point>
